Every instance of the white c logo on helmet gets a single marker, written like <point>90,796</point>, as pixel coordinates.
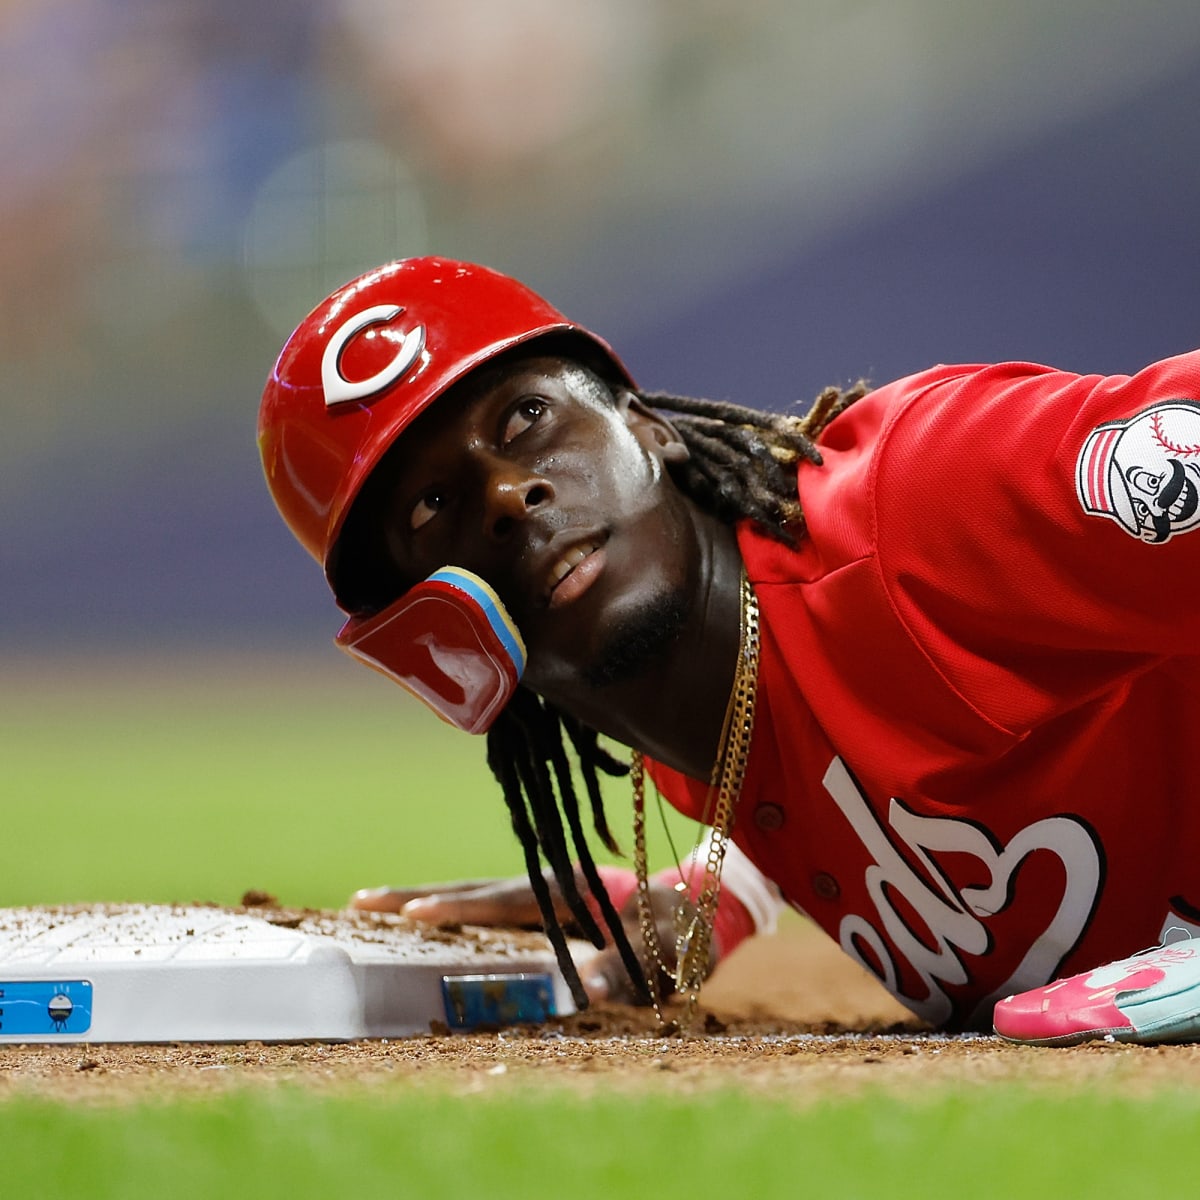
<point>339,389</point>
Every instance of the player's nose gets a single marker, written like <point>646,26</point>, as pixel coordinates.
<point>511,497</point>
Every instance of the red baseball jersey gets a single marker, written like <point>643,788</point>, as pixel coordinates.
<point>976,762</point>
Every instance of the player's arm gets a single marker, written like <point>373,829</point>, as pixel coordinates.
<point>510,903</point>
<point>1044,519</point>
<point>749,904</point>
<point>1107,502</point>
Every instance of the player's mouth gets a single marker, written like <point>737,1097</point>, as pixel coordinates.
<point>574,572</point>
<point>1178,498</point>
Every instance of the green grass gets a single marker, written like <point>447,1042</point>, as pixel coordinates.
<point>196,780</point>
<point>429,1146</point>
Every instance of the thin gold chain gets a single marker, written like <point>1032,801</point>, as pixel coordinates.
<point>694,919</point>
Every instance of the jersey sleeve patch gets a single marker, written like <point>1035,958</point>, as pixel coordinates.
<point>1144,472</point>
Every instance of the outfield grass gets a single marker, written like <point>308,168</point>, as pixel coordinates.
<point>192,779</point>
<point>291,1145</point>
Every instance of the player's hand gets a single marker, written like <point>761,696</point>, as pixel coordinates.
<point>500,902</point>
<point>605,977</point>
<point>511,903</point>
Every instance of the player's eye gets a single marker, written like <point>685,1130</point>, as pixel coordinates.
<point>426,508</point>
<point>525,413</point>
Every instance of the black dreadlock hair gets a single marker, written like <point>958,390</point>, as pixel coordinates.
<point>742,465</point>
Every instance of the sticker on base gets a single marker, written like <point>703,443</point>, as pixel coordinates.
<point>36,1008</point>
<point>473,1001</point>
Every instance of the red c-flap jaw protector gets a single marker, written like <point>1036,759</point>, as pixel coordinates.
<point>450,642</point>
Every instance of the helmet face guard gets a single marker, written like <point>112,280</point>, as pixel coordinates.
<point>358,370</point>
<point>450,642</point>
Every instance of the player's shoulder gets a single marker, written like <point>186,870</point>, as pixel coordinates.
<point>938,422</point>
<point>966,391</point>
<point>973,415</point>
<point>949,394</point>
<point>1021,449</point>
<point>1019,394</point>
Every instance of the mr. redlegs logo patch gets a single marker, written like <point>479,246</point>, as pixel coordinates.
<point>1144,472</point>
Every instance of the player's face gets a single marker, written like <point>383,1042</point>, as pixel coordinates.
<point>556,494</point>
<point>1164,499</point>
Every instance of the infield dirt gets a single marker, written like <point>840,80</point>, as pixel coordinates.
<point>788,1016</point>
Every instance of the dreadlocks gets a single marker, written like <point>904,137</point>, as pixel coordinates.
<point>742,465</point>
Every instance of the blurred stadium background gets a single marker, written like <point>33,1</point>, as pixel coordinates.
<point>750,199</point>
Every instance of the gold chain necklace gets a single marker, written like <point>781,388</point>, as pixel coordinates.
<point>694,919</point>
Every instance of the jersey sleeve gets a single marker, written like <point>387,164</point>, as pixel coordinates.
<point>1039,531</point>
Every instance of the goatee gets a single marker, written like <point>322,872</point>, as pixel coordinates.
<point>640,640</point>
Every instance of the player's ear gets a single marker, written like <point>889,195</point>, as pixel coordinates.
<point>652,429</point>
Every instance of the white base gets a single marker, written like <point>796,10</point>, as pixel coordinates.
<point>157,973</point>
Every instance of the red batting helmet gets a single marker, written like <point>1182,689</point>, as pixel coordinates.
<point>365,362</point>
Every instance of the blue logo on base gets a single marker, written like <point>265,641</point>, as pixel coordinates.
<point>35,1008</point>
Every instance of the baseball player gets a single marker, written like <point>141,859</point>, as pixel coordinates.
<point>923,660</point>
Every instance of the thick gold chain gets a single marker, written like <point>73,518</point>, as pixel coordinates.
<point>693,920</point>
